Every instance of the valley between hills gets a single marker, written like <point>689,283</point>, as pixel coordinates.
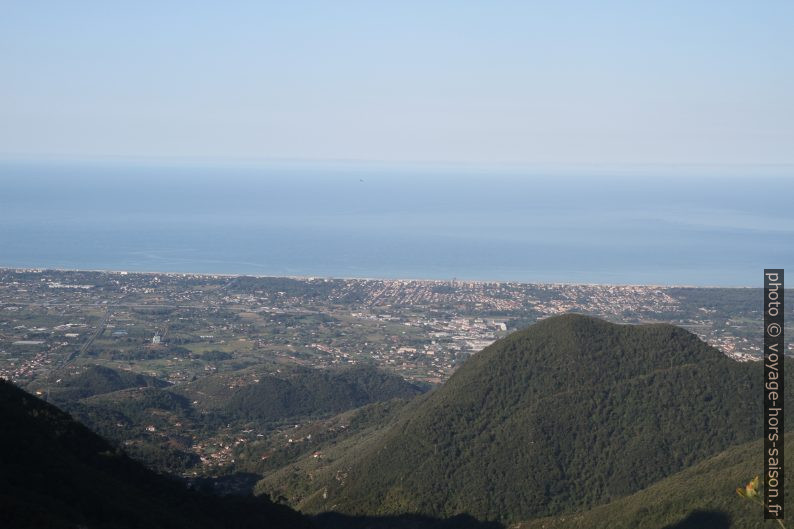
<point>566,421</point>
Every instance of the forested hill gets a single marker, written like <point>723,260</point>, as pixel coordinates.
<point>317,392</point>
<point>566,414</point>
<point>700,497</point>
<point>57,473</point>
<point>98,380</point>
<point>159,423</point>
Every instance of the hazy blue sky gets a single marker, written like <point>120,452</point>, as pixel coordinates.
<point>527,82</point>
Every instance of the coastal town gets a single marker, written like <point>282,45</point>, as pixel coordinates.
<point>208,337</point>
<point>181,326</point>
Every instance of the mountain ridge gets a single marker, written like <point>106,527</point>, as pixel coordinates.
<point>701,496</point>
<point>566,414</point>
<point>57,473</point>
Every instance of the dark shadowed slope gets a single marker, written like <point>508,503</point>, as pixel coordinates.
<point>54,472</point>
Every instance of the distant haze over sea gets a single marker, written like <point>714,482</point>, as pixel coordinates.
<point>705,226</point>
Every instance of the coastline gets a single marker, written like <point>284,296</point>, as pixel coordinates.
<point>360,278</point>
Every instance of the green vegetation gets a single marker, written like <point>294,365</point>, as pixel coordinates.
<point>569,413</point>
<point>322,438</point>
<point>97,380</point>
<point>283,286</point>
<point>57,473</point>
<point>314,392</point>
<point>751,492</point>
<point>702,496</point>
<point>216,356</point>
<point>161,426</point>
<point>137,405</point>
<point>126,416</point>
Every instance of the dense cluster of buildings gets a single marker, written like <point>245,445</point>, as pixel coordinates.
<point>164,324</point>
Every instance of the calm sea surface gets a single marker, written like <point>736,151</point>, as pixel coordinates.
<point>656,226</point>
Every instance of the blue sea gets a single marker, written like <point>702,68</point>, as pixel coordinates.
<point>665,225</point>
